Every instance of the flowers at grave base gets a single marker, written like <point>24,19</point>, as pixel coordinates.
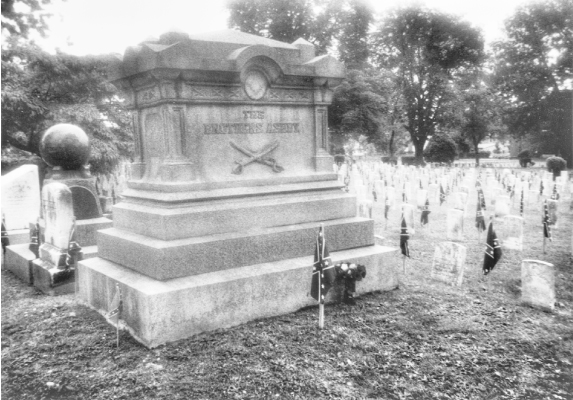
<point>349,273</point>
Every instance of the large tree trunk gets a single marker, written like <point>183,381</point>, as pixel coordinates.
<point>391,144</point>
<point>419,148</point>
<point>477,153</point>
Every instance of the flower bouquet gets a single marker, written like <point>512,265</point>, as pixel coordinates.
<point>349,273</point>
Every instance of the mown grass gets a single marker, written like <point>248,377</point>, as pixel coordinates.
<point>426,340</point>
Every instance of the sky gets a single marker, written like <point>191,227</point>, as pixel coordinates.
<point>83,27</point>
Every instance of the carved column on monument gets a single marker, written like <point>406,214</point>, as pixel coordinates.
<point>322,97</point>
<point>138,166</point>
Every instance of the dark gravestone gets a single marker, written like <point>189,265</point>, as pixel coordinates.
<point>85,203</point>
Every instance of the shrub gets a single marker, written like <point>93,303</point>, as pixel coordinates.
<point>441,148</point>
<point>524,154</point>
<point>556,165</point>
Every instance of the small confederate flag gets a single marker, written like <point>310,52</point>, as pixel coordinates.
<point>480,223</point>
<point>492,250</point>
<point>481,199</point>
<point>425,213</point>
<point>386,207</point>
<point>116,305</point>
<point>323,273</point>
<point>546,228</point>
<point>442,194</point>
<point>521,204</point>
<point>404,236</point>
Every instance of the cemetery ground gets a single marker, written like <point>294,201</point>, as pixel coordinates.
<point>425,340</point>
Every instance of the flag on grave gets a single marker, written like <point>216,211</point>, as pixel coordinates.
<point>546,228</point>
<point>425,213</point>
<point>442,194</point>
<point>116,306</point>
<point>521,204</point>
<point>492,250</point>
<point>481,199</point>
<point>421,184</point>
<point>555,195</point>
<point>5,240</point>
<point>404,236</point>
<point>374,195</point>
<point>404,197</point>
<point>323,273</point>
<point>541,187</point>
<point>386,207</point>
<point>480,223</point>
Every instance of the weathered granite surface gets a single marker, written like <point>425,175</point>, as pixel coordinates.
<point>156,312</point>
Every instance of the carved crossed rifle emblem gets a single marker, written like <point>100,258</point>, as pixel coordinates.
<point>259,157</point>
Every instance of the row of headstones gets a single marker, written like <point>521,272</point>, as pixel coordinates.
<point>537,277</point>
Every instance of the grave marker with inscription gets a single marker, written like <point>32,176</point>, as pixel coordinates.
<point>21,197</point>
<point>538,284</point>
<point>455,224</point>
<point>448,263</point>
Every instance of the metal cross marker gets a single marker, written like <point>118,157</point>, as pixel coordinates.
<point>258,157</point>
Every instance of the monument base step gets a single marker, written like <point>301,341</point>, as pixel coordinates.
<point>19,236</point>
<point>19,261</point>
<point>51,280</point>
<point>156,312</point>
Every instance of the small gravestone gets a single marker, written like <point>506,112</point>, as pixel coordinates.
<point>422,196</point>
<point>538,284</point>
<point>434,193</point>
<point>365,208</point>
<point>390,195</point>
<point>51,272</point>
<point>458,200</point>
<point>511,232</point>
<point>448,263</point>
<point>502,206</point>
<point>408,211</point>
<point>21,198</point>
<point>455,224</point>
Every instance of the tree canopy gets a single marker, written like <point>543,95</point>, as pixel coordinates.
<point>40,89</point>
<point>428,51</point>
<point>534,69</point>
<point>321,22</point>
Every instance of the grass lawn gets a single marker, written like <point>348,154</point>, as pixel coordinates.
<point>425,340</point>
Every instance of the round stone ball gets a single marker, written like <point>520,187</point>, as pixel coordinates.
<point>66,146</point>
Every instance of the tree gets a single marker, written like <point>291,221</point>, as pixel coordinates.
<point>441,148</point>
<point>429,51</point>
<point>367,104</point>
<point>318,21</point>
<point>41,89</point>
<point>533,69</point>
<point>479,117</point>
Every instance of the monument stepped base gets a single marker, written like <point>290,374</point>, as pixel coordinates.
<point>19,260</point>
<point>156,312</point>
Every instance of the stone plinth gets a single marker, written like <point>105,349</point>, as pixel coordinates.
<point>19,261</point>
<point>157,312</point>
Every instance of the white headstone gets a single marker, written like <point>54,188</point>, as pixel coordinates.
<point>510,231</point>
<point>458,200</point>
<point>422,196</point>
<point>502,206</point>
<point>455,224</point>
<point>391,195</point>
<point>58,214</point>
<point>408,212</point>
<point>448,263</point>
<point>538,284</point>
<point>434,193</point>
<point>21,197</point>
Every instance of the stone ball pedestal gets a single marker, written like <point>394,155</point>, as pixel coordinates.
<point>66,146</point>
